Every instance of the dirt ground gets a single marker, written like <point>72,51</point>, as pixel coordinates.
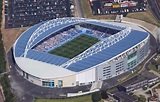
<point>10,36</point>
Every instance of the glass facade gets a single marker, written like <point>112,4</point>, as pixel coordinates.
<point>60,83</point>
<point>132,60</point>
<point>47,84</point>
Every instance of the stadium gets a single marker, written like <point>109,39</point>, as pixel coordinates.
<point>68,52</point>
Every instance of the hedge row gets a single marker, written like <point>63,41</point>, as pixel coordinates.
<point>2,58</point>
<point>9,97</point>
<point>4,81</point>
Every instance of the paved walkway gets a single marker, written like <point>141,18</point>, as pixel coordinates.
<point>155,73</point>
<point>25,91</point>
<point>1,96</point>
<point>79,8</point>
<point>158,92</point>
<point>154,8</point>
<point>143,92</point>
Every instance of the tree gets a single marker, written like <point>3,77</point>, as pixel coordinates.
<point>141,98</point>
<point>154,62</point>
<point>96,96</point>
<point>104,95</point>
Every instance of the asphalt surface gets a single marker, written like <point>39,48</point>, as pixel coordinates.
<point>99,4</point>
<point>155,8</point>
<point>25,91</point>
<point>22,13</point>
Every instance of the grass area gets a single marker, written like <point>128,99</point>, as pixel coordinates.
<point>2,56</point>
<point>75,46</point>
<point>158,59</point>
<point>86,98</point>
<point>140,98</point>
<point>111,89</point>
<point>145,16</point>
<point>87,12</point>
<point>153,67</point>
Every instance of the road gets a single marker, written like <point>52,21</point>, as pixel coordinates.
<point>79,8</point>
<point>155,8</point>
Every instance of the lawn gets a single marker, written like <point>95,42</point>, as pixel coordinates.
<point>145,16</point>
<point>153,67</point>
<point>86,98</point>
<point>75,46</point>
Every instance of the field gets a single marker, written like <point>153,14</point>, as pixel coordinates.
<point>145,16</point>
<point>86,98</point>
<point>75,46</point>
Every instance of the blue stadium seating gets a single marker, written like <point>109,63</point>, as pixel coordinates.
<point>45,57</point>
<point>22,42</point>
<point>95,59</point>
<point>110,52</point>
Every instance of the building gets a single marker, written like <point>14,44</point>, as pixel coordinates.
<point>117,6</point>
<point>116,49</point>
<point>121,96</point>
<point>138,82</point>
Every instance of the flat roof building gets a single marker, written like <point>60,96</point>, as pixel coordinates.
<point>138,82</point>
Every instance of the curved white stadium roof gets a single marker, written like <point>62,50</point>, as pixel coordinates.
<point>41,69</point>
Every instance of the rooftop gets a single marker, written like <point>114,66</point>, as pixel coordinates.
<point>40,31</point>
<point>139,78</point>
<point>124,97</point>
<point>132,39</point>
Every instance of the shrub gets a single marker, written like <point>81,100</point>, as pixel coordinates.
<point>96,96</point>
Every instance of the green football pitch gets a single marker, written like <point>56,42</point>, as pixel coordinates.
<point>75,46</point>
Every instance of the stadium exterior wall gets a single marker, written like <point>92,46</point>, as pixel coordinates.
<point>117,65</point>
<point>114,68</point>
<point>86,77</point>
<point>30,78</point>
<point>67,81</point>
<point>103,71</point>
